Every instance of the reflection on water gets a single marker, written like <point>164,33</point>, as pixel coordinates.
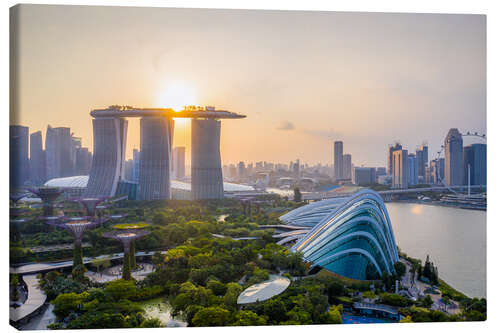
<point>454,238</point>
<point>159,308</point>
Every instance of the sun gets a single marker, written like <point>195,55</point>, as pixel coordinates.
<point>176,95</point>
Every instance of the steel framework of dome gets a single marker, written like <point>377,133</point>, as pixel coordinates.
<point>351,236</point>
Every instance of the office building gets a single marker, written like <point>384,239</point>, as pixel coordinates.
<point>436,171</point>
<point>156,153</point>
<point>241,170</point>
<point>18,153</point>
<point>453,158</point>
<point>58,152</point>
<point>412,170</point>
<point>347,166</point>
<point>136,156</point>
<point>338,164</point>
<point>392,149</point>
<point>422,159</point>
<point>179,165</point>
<point>364,175</point>
<point>475,164</point>
<point>37,159</point>
<point>83,161</point>
<point>400,169</point>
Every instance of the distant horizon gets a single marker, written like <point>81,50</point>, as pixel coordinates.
<point>304,79</point>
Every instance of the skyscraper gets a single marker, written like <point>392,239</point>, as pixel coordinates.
<point>18,151</point>
<point>436,170</point>
<point>58,152</point>
<point>76,144</point>
<point>37,159</point>
<point>453,149</point>
<point>422,158</point>
<point>412,169</point>
<point>83,161</point>
<point>179,165</point>
<point>347,166</point>
<point>241,170</point>
<point>206,171</point>
<point>136,156</point>
<point>400,169</point>
<point>475,164</point>
<point>392,148</point>
<point>156,153</point>
<point>338,164</point>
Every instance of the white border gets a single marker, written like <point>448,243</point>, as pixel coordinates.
<point>421,6</point>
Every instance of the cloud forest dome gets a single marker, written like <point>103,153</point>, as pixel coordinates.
<point>354,238</point>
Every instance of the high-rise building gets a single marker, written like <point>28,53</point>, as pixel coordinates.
<point>156,153</point>
<point>392,149</point>
<point>380,171</point>
<point>475,164</point>
<point>37,159</point>
<point>179,165</point>
<point>83,161</point>
<point>364,175</point>
<point>76,144</point>
<point>136,156</point>
<point>296,170</point>
<point>129,165</point>
<point>206,171</point>
<point>453,158</point>
<point>347,167</point>
<point>400,169</point>
<point>241,170</point>
<point>110,136</point>
<point>412,169</point>
<point>19,163</point>
<point>338,164</point>
<point>422,156</point>
<point>436,171</point>
<point>58,152</point>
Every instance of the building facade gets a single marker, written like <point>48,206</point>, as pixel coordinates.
<point>422,159</point>
<point>156,152</point>
<point>110,136</point>
<point>453,158</point>
<point>18,153</point>
<point>392,149</point>
<point>206,170</point>
<point>338,164</point>
<point>58,152</point>
<point>179,165</point>
<point>364,175</point>
<point>37,159</point>
<point>475,164</point>
<point>347,167</point>
<point>400,169</point>
<point>412,170</point>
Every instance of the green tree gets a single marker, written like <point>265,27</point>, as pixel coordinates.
<point>406,319</point>
<point>400,269</point>
<point>121,289</point>
<point>248,318</point>
<point>211,316</point>
<point>64,304</point>
<point>334,314</point>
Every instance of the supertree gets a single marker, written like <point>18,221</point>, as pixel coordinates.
<point>91,204</point>
<point>127,236</point>
<point>77,226</point>
<point>48,195</point>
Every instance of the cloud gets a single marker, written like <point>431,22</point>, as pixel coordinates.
<point>285,126</point>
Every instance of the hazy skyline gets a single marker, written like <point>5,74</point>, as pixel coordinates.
<point>304,79</point>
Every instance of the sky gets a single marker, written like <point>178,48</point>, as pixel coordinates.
<point>303,79</point>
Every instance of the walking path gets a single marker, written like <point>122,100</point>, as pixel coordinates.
<point>36,298</point>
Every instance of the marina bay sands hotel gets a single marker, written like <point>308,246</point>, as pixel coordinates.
<point>157,129</point>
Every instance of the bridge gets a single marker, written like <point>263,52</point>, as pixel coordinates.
<point>315,196</point>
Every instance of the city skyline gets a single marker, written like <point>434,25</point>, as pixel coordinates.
<point>437,81</point>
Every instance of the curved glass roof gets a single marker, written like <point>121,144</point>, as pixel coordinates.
<point>75,181</point>
<point>81,182</point>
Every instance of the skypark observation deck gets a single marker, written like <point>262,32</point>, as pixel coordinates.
<point>157,129</point>
<point>189,112</point>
